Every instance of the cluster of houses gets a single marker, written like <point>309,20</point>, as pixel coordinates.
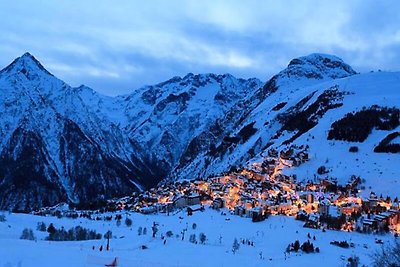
<point>382,222</point>
<point>262,190</point>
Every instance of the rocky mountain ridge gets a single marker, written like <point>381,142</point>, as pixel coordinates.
<point>60,143</point>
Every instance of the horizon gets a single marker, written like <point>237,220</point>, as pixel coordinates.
<point>181,76</point>
<point>116,49</point>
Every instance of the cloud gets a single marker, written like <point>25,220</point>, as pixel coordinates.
<point>118,47</point>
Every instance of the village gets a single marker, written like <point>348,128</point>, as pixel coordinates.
<point>261,190</point>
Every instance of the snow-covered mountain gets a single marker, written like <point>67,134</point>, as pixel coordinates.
<point>56,146</point>
<point>166,117</point>
<point>300,106</point>
<point>59,143</point>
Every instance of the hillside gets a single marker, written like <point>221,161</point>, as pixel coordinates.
<point>59,143</point>
<point>299,106</point>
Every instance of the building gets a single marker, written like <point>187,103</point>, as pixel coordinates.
<point>193,199</point>
<point>368,225</point>
<point>349,208</point>
<point>218,203</point>
<point>323,208</point>
<point>256,214</point>
<point>239,210</point>
<point>182,201</point>
<point>148,210</point>
<point>310,198</point>
<point>194,208</point>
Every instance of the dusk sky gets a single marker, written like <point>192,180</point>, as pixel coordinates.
<point>118,46</point>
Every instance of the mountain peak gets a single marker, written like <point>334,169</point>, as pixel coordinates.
<point>27,55</point>
<point>319,66</point>
<point>26,64</point>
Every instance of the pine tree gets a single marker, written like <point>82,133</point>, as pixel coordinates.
<point>296,245</point>
<point>202,238</point>
<point>51,229</point>
<point>192,238</point>
<point>169,234</point>
<point>235,246</point>
<point>154,229</point>
<point>128,222</point>
<point>108,235</point>
<point>27,234</point>
<point>41,226</point>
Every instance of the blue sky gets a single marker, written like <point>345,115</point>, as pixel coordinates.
<point>117,46</point>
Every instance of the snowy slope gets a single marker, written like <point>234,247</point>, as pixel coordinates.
<point>298,107</point>
<point>83,146</point>
<point>270,238</point>
<point>379,170</point>
<point>53,141</point>
<point>166,117</point>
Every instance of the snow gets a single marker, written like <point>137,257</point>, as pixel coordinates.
<point>166,126</point>
<point>379,170</point>
<point>270,238</point>
<point>162,129</point>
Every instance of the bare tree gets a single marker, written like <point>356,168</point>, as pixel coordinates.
<point>389,256</point>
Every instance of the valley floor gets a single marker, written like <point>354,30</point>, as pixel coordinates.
<point>270,239</point>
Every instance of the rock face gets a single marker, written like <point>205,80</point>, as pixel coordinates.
<point>59,143</point>
<point>55,146</point>
<point>166,117</point>
<point>284,106</point>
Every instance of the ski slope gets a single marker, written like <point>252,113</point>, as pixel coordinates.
<point>270,239</point>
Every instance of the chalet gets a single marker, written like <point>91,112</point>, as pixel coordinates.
<point>182,201</point>
<point>323,208</point>
<point>194,208</point>
<point>240,210</point>
<point>388,218</point>
<point>193,199</point>
<point>164,207</point>
<point>380,222</point>
<point>256,214</point>
<point>349,208</point>
<point>372,201</point>
<point>395,205</point>
<point>302,215</point>
<point>368,225</point>
<point>148,210</point>
<point>282,208</point>
<point>218,203</point>
<point>310,198</point>
<point>394,217</point>
<point>313,220</point>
